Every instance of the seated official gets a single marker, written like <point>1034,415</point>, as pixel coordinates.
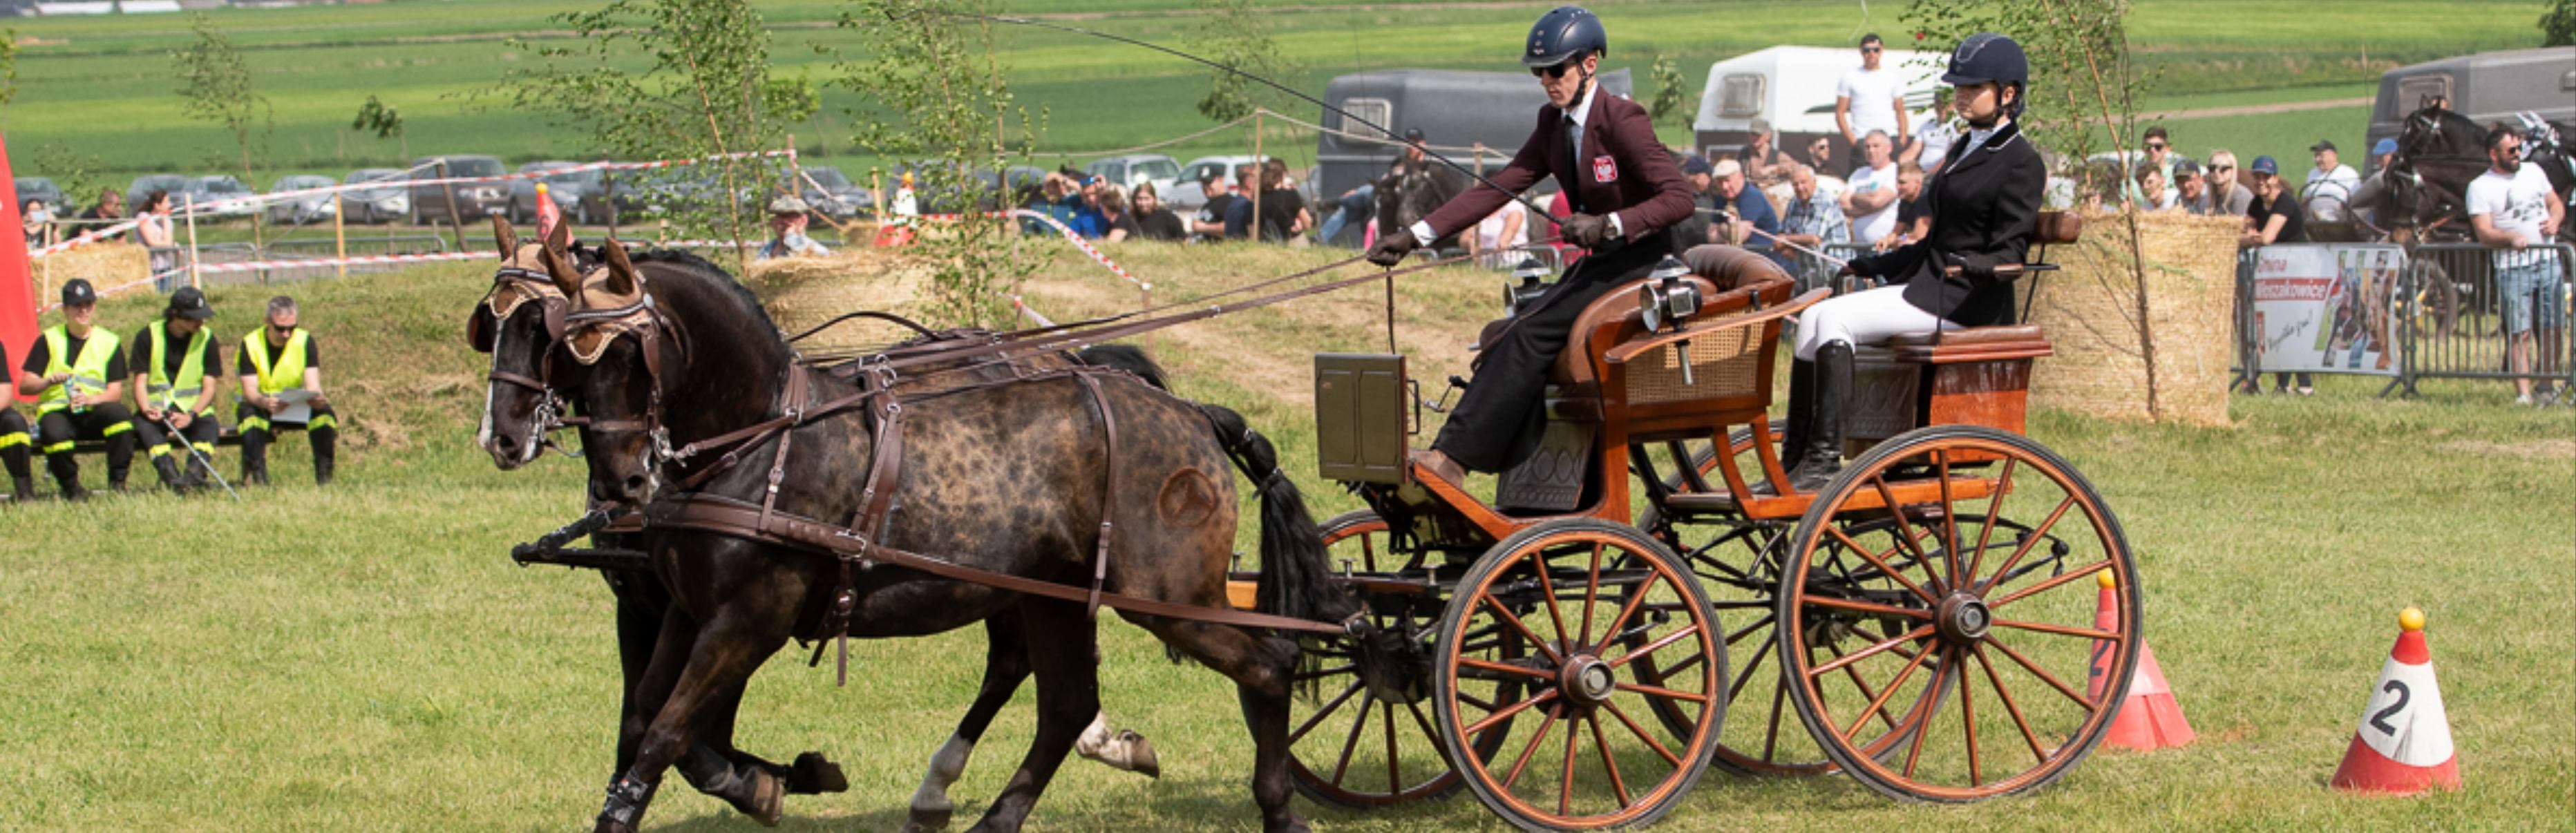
<point>174,407</point>
<point>77,371</point>
<point>276,358</point>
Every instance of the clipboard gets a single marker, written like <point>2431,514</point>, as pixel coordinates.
<point>299,406</point>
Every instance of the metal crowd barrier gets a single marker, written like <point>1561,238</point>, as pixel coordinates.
<point>2452,307</point>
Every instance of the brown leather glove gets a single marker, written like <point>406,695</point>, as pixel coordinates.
<point>1391,248</point>
<point>1584,230</point>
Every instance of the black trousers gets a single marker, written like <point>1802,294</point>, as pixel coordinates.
<point>257,431</point>
<point>201,432</point>
<point>17,449</point>
<point>110,422</point>
<point>1500,418</point>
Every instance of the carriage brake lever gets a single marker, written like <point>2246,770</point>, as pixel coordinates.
<point>1456,384</point>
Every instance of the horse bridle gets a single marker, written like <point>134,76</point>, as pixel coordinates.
<point>540,287</point>
<point>643,319</point>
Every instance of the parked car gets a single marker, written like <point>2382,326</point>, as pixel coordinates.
<point>309,208</point>
<point>32,188</point>
<point>383,204</point>
<point>221,197</point>
<point>173,184</point>
<point>473,201</point>
<point>1130,171</point>
<point>572,193</point>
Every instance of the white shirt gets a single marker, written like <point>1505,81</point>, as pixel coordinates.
<point>1873,100</point>
<point>1935,134</point>
<point>2516,204</point>
<point>1868,228</point>
<point>2328,191</point>
<point>1489,231</point>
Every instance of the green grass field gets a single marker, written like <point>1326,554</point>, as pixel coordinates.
<point>364,656</point>
<point>102,86</point>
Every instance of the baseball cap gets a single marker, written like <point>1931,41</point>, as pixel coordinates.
<point>1695,165</point>
<point>788,205</point>
<point>2186,167</point>
<point>190,302</point>
<point>2265,165</point>
<point>1761,127</point>
<point>77,293</point>
<point>1726,168</point>
<point>2322,144</point>
<point>1413,134</point>
<point>2386,146</point>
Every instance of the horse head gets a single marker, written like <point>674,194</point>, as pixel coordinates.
<point>520,322</point>
<point>685,336</point>
<point>1410,193</point>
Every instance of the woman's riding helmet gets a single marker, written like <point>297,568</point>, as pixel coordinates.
<point>1564,34</point>
<point>1986,56</point>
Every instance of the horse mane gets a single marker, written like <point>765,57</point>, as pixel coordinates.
<point>686,259</point>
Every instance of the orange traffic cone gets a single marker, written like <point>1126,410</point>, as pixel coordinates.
<point>547,214</point>
<point>2149,718</point>
<point>2404,744</point>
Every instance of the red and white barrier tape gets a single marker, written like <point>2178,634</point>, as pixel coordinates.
<point>1069,235</point>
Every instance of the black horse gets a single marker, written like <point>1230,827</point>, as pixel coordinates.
<point>519,324</point>
<point>1411,191</point>
<point>1007,479</point>
<point>2439,152</point>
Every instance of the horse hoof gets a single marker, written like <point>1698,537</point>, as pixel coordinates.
<point>607,826</point>
<point>1289,823</point>
<point>768,801</point>
<point>813,774</point>
<point>1140,755</point>
<point>928,821</point>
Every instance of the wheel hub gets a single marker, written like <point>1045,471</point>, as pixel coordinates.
<point>1962,618</point>
<point>1586,680</point>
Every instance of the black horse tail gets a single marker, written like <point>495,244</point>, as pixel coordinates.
<point>1127,357</point>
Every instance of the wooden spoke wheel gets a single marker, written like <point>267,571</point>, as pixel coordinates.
<point>1349,748</point>
<point>1964,623</point>
<point>1739,569</point>
<point>1582,747</point>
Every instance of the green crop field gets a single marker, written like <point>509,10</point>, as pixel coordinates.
<point>103,86</point>
<point>364,656</point>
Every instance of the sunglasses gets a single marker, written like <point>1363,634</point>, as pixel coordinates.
<point>281,329</point>
<point>2156,146</point>
<point>1557,71</point>
<point>1871,50</point>
<point>2222,168</point>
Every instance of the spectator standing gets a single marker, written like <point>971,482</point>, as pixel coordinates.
<point>1869,99</point>
<point>1059,197</point>
<point>1238,215</point>
<point>2513,211</point>
<point>39,220</point>
<point>1209,224</point>
<point>2274,217</point>
<point>277,358</point>
<point>1697,230</point>
<point>1283,210</point>
<point>1871,198</point>
<point>2152,193</point>
<point>1090,218</point>
<point>2366,196</point>
<point>1912,221</point>
<point>77,372</point>
<point>2228,197</point>
<point>106,212</point>
<point>1150,220</point>
<point>152,229</point>
<point>1820,155</point>
<point>1764,163</point>
<point>1749,212</point>
<point>174,407</point>
<point>1814,221</point>
<point>2191,190</point>
<point>787,219</point>
<point>2159,148</point>
<point>1121,223</point>
<point>2328,191</point>
<point>1498,234</point>
<point>1932,139</point>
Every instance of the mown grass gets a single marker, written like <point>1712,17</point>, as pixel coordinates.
<point>364,655</point>
<point>103,86</point>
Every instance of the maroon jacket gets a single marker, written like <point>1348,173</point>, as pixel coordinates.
<point>1625,169</point>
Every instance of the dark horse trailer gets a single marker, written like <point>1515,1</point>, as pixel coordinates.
<point>1453,108</point>
<point>2487,87</point>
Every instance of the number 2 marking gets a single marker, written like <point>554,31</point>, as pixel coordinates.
<point>2379,719</point>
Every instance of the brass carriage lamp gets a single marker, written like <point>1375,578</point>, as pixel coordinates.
<point>1665,301</point>
<point>1529,280</point>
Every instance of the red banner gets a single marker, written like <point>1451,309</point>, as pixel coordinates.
<point>17,284</point>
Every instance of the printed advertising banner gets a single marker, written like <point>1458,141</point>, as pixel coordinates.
<point>2327,308</point>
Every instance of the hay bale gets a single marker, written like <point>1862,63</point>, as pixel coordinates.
<point>107,265</point>
<point>2088,308</point>
<point>802,292</point>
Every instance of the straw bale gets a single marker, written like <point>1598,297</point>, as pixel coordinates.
<point>2089,308</point>
<point>802,292</point>
<point>106,265</point>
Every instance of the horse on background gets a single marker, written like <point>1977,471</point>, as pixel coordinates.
<point>1007,479</point>
<point>520,323</point>
<point>2438,153</point>
<point>1410,192</point>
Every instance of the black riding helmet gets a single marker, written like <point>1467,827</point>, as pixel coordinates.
<point>1565,33</point>
<point>1986,56</point>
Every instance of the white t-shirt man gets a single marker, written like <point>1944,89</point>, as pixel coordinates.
<point>1491,240</point>
<point>2327,192</point>
<point>2516,204</point>
<point>1873,99</point>
<point>1934,134</point>
<point>1868,228</point>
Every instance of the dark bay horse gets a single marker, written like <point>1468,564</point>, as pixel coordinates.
<point>1410,192</point>
<point>2438,153</point>
<point>1021,479</point>
<point>519,324</point>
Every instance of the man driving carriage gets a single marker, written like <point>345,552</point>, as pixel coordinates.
<point>1627,194</point>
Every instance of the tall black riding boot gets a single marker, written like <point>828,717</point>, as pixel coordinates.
<point>325,452</point>
<point>168,469</point>
<point>1802,409</point>
<point>66,471</point>
<point>1820,456</point>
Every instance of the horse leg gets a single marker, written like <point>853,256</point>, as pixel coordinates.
<point>1261,669</point>
<point>1006,664</point>
<point>639,627</point>
<point>715,659</point>
<point>641,604</point>
<point>1061,640</point>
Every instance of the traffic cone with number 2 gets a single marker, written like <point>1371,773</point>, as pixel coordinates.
<point>2149,718</point>
<point>2404,744</point>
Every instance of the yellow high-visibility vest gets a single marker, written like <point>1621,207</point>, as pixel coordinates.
<point>288,372</point>
<point>177,394</point>
<point>89,370</point>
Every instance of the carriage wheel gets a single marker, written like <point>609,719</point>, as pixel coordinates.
<point>1580,746</point>
<point>1347,747</point>
<point>1740,571</point>
<point>1993,558</point>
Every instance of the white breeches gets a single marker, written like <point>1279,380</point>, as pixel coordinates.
<point>1862,318</point>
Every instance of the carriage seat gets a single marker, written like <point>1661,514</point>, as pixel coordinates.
<point>1971,344</point>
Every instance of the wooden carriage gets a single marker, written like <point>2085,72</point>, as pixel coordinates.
<point>1589,610</point>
